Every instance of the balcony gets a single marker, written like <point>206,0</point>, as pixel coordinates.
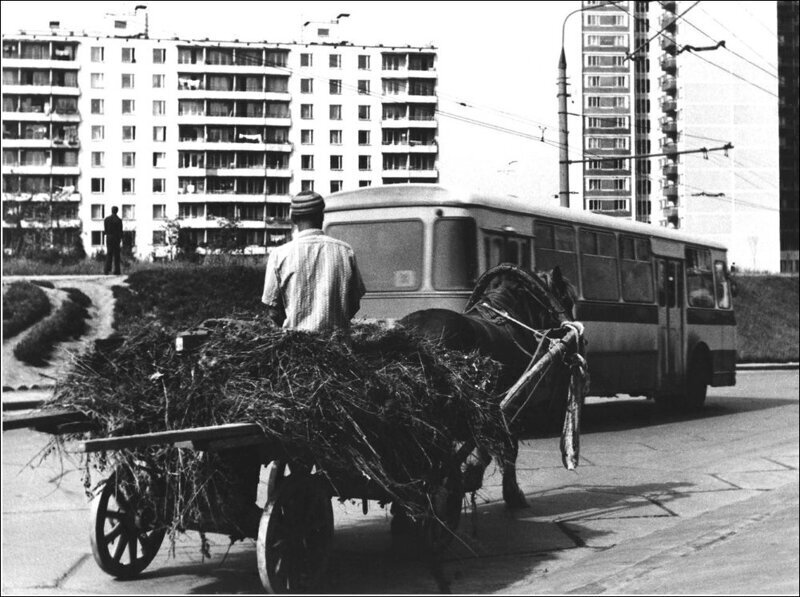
<point>668,63</point>
<point>668,83</point>
<point>241,145</point>
<point>669,146</point>
<point>671,192</point>
<point>668,43</point>
<point>42,170</point>
<point>415,173</point>
<point>669,126</point>
<point>668,104</point>
<point>670,171</point>
<point>668,22</point>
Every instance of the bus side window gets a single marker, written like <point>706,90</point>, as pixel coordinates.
<point>662,283</point>
<point>637,271</point>
<point>599,266</point>
<point>722,285</point>
<point>555,246</point>
<point>699,279</point>
<point>506,248</point>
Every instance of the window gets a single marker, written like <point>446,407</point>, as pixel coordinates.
<point>598,265</point>
<point>363,87</point>
<point>336,186</point>
<point>128,133</point>
<point>384,267</point>
<point>98,159</point>
<point>555,246</point>
<point>128,186</point>
<point>128,159</point>
<point>98,106</point>
<point>336,162</point>
<point>306,85</point>
<point>159,185</point>
<point>306,185</point>
<point>336,137</point>
<point>159,159</point>
<point>335,61</point>
<point>306,111</point>
<point>128,212</point>
<point>128,106</point>
<point>699,278</point>
<point>394,86</point>
<point>159,107</point>
<point>607,143</point>
<point>335,87</point>
<point>129,55</point>
<point>456,263</point>
<point>636,268</point>
<point>307,137</point>
<point>98,132</point>
<point>98,54</point>
<point>363,113</point>
<point>607,101</point>
<point>97,237</point>
<point>364,162</point>
<point>159,55</point>
<point>306,162</point>
<point>363,62</point>
<point>363,137</point>
<point>98,186</point>
<point>159,133</point>
<point>127,81</point>
<point>97,80</point>
<point>722,285</point>
<point>159,211</point>
<point>364,183</point>
<point>159,237</point>
<point>158,81</point>
<point>306,60</point>
<point>98,210</point>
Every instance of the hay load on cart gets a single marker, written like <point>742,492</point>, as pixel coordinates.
<point>370,413</point>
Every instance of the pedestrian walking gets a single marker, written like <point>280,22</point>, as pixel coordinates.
<point>113,229</point>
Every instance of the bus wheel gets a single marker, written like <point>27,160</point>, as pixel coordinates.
<point>696,383</point>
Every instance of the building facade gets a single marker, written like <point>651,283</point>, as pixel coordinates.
<point>663,86</point>
<point>788,101</point>
<point>206,140</point>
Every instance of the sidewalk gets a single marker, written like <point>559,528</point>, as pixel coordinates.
<point>736,549</point>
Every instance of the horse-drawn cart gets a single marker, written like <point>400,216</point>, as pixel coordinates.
<point>132,510</point>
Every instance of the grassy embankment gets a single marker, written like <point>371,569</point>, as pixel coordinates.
<point>23,305</point>
<point>767,318</point>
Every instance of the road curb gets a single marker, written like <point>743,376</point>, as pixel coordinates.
<point>767,366</point>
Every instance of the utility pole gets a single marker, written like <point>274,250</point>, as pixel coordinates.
<point>563,132</point>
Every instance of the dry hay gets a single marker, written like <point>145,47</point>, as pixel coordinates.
<point>369,401</point>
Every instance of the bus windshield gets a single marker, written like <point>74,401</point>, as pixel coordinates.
<point>454,256</point>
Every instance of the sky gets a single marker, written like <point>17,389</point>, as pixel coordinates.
<point>497,65</point>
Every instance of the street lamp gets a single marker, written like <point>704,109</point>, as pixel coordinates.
<point>563,131</point>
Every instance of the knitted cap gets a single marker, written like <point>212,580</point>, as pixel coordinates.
<point>307,203</point>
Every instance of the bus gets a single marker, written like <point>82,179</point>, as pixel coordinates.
<point>656,303</point>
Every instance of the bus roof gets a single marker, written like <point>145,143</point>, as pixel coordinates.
<point>423,195</point>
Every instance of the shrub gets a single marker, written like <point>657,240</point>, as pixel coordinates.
<point>23,305</point>
<point>78,297</point>
<point>768,324</point>
<point>183,297</point>
<point>69,322</point>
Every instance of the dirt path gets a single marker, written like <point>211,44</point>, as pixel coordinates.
<point>17,375</point>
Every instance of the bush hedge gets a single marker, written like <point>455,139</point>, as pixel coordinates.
<point>23,305</point>
<point>767,318</point>
<point>69,322</point>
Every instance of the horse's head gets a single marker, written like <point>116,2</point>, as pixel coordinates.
<point>561,289</point>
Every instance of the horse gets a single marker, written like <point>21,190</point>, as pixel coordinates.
<point>506,303</point>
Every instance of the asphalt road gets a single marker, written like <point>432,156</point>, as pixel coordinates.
<point>661,504</point>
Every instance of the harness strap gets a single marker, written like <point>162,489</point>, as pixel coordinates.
<point>508,317</point>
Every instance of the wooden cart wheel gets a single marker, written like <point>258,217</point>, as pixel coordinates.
<point>294,536</point>
<point>125,539</point>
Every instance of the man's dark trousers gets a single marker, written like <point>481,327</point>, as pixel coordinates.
<point>113,252</point>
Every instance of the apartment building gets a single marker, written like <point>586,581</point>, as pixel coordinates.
<point>657,84</point>
<point>788,104</point>
<point>616,118</point>
<point>205,139</point>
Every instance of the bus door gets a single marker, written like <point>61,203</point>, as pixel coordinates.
<point>670,321</point>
